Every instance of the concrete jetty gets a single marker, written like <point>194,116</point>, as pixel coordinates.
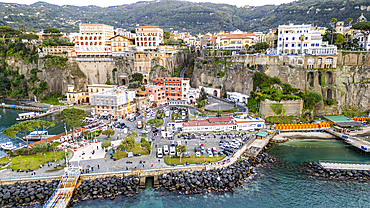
<point>345,165</point>
<point>353,141</point>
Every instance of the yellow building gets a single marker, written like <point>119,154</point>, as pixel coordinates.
<point>235,41</point>
<point>77,97</point>
<point>119,44</point>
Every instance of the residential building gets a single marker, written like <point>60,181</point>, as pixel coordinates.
<point>176,88</point>
<point>118,101</point>
<point>192,95</point>
<point>210,124</point>
<point>124,32</point>
<point>360,36</point>
<point>93,40</point>
<point>55,50</point>
<point>120,44</point>
<point>84,96</point>
<point>298,39</point>
<point>156,94</point>
<point>148,37</point>
<point>235,41</point>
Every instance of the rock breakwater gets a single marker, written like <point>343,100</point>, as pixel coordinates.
<point>218,180</point>
<point>20,194</point>
<point>316,169</point>
<point>108,187</point>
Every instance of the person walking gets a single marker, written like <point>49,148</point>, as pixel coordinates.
<point>98,166</point>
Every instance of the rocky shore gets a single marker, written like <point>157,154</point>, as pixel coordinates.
<point>314,168</point>
<point>219,180</point>
<point>108,187</point>
<point>20,194</point>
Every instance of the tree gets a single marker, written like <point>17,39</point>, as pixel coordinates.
<point>108,133</point>
<point>73,117</point>
<point>41,124</point>
<point>333,21</point>
<point>54,146</point>
<point>180,149</point>
<point>22,29</point>
<point>146,145</point>
<point>166,35</point>
<point>350,20</point>
<point>20,131</point>
<point>29,37</point>
<point>364,28</point>
<point>4,30</point>
<point>106,144</point>
<point>51,31</point>
<point>128,143</point>
<point>137,77</point>
<point>261,46</point>
<point>339,40</point>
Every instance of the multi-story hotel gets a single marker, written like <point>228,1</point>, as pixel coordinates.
<point>117,101</point>
<point>93,39</point>
<point>119,44</point>
<point>148,37</point>
<point>298,39</point>
<point>166,89</point>
<point>80,97</point>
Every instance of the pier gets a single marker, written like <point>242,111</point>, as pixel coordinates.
<point>345,165</point>
<point>353,141</point>
<point>63,194</point>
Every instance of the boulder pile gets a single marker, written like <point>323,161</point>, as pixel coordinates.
<point>108,187</point>
<point>19,194</point>
<point>318,170</point>
<point>218,180</point>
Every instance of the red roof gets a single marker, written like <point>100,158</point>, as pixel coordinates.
<point>204,123</point>
<point>56,137</point>
<point>220,119</point>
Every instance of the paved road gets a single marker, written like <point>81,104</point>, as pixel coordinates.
<point>216,104</point>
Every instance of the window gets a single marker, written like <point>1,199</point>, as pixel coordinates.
<point>293,38</point>
<point>286,45</point>
<point>299,45</point>
<point>312,44</point>
<point>166,88</point>
<point>150,90</point>
<point>317,44</point>
<point>292,45</point>
<point>173,89</point>
<point>280,39</point>
<point>174,84</point>
<point>306,38</point>
<point>179,89</point>
<point>286,38</point>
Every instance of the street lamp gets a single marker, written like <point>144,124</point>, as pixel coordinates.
<point>45,157</point>
<point>65,152</point>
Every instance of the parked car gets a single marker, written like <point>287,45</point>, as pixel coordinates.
<point>197,154</point>
<point>165,149</point>
<point>202,137</point>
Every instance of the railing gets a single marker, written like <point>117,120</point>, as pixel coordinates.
<point>344,162</point>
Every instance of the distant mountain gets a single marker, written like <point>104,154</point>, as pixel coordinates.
<point>179,15</point>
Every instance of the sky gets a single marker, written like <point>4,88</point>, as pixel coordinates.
<point>107,3</point>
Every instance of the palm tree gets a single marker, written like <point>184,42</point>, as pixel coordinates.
<point>302,39</point>
<point>333,21</point>
<point>350,20</point>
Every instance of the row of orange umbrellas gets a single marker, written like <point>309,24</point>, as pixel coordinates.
<point>361,118</point>
<point>302,126</point>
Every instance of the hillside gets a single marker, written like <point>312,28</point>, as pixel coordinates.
<point>179,15</point>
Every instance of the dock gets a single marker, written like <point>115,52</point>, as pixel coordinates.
<point>353,141</point>
<point>255,146</point>
<point>67,185</point>
<point>345,165</point>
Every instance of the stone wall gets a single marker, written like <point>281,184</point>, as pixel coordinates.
<point>291,107</point>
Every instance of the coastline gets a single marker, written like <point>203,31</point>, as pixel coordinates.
<point>283,137</point>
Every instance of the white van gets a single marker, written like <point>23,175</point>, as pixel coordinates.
<point>165,149</point>
<point>172,151</point>
<point>139,125</point>
<point>167,113</point>
<point>159,153</point>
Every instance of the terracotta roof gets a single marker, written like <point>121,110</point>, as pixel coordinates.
<point>236,36</point>
<point>204,123</point>
<point>148,27</point>
<point>56,137</point>
<point>220,119</point>
<point>120,36</point>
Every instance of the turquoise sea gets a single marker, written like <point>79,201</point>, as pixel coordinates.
<point>281,185</point>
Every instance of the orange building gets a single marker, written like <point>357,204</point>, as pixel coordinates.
<point>156,93</point>
<point>176,88</point>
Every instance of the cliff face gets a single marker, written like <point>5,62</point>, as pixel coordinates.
<point>222,73</point>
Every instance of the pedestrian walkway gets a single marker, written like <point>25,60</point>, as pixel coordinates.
<point>345,165</point>
<point>86,153</point>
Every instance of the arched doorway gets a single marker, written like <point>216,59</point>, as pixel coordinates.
<point>215,93</point>
<point>123,82</point>
<point>328,78</point>
<point>311,78</point>
<point>79,102</point>
<point>145,81</point>
<point>87,99</point>
<point>329,94</point>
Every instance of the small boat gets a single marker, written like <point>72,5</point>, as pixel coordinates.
<point>7,146</point>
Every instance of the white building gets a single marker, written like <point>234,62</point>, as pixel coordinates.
<point>211,91</point>
<point>360,36</point>
<point>295,39</point>
<point>148,37</point>
<point>124,32</point>
<point>93,39</point>
<point>192,95</point>
<point>247,123</point>
<point>116,101</point>
<point>238,97</point>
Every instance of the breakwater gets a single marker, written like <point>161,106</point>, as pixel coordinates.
<point>316,169</point>
<point>108,187</point>
<point>218,180</point>
<point>20,194</point>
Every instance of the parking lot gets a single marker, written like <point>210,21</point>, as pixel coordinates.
<point>210,141</point>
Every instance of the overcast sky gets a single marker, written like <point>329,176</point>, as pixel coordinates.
<point>106,3</point>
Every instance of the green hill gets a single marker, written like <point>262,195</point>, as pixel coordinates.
<point>179,15</point>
